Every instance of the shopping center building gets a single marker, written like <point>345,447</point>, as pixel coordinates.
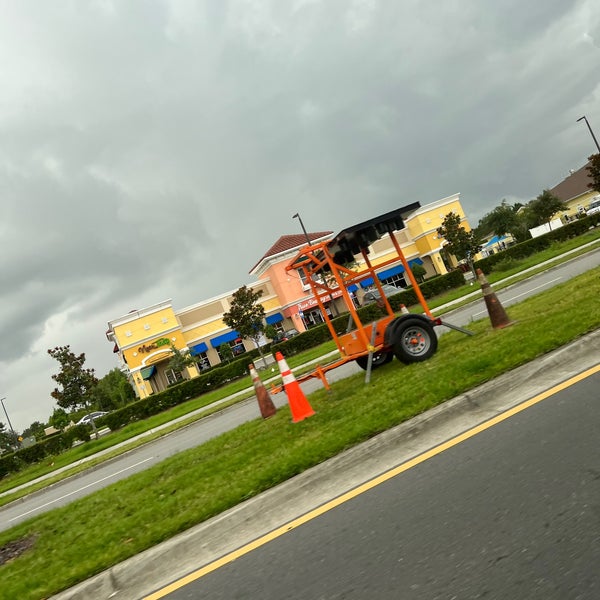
<point>143,339</point>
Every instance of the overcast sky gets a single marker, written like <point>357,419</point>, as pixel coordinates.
<point>156,150</point>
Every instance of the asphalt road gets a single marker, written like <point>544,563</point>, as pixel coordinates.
<point>154,452</point>
<point>275,513</point>
<point>512,512</point>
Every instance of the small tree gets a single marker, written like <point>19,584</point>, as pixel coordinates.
<point>594,171</point>
<point>113,391</point>
<point>270,332</point>
<point>502,220</point>
<point>180,360</point>
<point>545,206</point>
<point>463,244</point>
<point>246,315</point>
<point>36,429</point>
<point>419,272</point>
<point>76,383</point>
<point>59,419</point>
<point>9,440</point>
<point>225,352</point>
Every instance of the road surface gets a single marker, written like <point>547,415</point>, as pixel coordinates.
<point>512,512</point>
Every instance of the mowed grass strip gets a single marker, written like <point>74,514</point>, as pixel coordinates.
<point>92,534</point>
<point>556,250</point>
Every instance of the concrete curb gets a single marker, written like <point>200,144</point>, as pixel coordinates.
<point>154,568</point>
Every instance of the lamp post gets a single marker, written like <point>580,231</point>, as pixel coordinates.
<point>9,423</point>
<point>297,216</point>
<point>591,132</point>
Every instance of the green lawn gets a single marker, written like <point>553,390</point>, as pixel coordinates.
<point>244,386</point>
<point>73,543</point>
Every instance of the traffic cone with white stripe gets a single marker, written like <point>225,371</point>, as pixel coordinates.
<point>299,405</point>
<point>404,310</point>
<point>267,408</point>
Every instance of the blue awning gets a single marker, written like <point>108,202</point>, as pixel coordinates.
<point>391,272</point>
<point>495,240</point>
<point>276,318</point>
<point>365,283</point>
<point>397,269</point>
<point>198,348</point>
<point>147,372</point>
<point>223,339</point>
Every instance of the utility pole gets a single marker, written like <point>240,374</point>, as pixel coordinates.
<point>591,132</point>
<point>297,216</point>
<point>7,418</point>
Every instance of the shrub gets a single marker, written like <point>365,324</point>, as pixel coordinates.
<point>506,264</point>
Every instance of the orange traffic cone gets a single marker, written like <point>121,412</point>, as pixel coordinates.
<point>267,408</point>
<point>498,315</point>
<point>404,310</point>
<point>299,405</point>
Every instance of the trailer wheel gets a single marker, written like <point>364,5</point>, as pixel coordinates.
<point>379,359</point>
<point>414,341</point>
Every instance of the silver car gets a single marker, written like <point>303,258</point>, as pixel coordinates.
<point>374,296</point>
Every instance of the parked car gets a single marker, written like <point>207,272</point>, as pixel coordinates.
<point>87,419</point>
<point>594,206</point>
<point>283,336</point>
<point>374,296</point>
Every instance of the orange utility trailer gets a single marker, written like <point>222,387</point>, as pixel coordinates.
<point>327,266</point>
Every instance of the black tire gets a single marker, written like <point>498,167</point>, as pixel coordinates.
<point>414,341</point>
<point>379,359</point>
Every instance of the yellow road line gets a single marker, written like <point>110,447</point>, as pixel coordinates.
<point>361,489</point>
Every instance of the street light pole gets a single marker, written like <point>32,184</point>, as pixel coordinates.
<point>9,423</point>
<point>297,216</point>
<point>592,133</point>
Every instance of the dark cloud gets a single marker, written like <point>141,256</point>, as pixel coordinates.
<point>156,150</point>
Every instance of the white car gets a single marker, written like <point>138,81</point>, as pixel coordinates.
<point>594,206</point>
<point>87,419</point>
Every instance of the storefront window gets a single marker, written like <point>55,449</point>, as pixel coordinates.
<point>398,281</point>
<point>173,376</point>
<point>237,348</point>
<point>202,361</point>
<point>312,318</point>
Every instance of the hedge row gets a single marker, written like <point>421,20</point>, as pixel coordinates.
<point>50,446</point>
<point>534,245</point>
<point>135,411</point>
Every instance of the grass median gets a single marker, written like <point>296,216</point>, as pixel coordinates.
<point>73,543</point>
<point>116,443</point>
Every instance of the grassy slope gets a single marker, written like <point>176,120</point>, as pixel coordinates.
<point>77,541</point>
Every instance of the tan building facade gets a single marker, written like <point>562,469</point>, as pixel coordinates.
<point>575,192</point>
<point>144,339</point>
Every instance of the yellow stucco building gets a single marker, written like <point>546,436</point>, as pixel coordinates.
<point>143,339</point>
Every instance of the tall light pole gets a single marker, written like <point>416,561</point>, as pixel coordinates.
<point>9,423</point>
<point>590,128</point>
<point>297,216</point>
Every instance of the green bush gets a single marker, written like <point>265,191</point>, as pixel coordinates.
<point>506,264</point>
<point>534,245</point>
<point>10,463</point>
